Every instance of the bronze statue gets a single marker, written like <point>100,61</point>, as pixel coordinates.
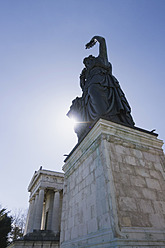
<point>102,96</point>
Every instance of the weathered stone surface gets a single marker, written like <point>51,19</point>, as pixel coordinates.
<point>120,190</point>
<point>126,168</point>
<point>142,172</point>
<point>153,184</point>
<point>149,194</point>
<point>156,174</point>
<point>127,204</point>
<point>126,221</point>
<point>122,178</point>
<point>140,220</point>
<point>138,181</point>
<point>157,221</point>
<point>130,160</point>
<point>145,206</point>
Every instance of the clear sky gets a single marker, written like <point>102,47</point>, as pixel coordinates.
<point>41,54</point>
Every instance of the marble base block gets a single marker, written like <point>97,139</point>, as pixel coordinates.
<point>37,239</point>
<point>34,244</point>
<point>114,190</point>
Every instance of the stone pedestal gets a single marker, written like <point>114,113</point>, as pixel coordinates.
<point>114,190</point>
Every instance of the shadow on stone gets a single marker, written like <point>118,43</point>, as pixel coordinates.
<point>42,235</point>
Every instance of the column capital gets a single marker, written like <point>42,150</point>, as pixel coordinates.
<point>36,194</point>
<point>31,198</point>
<point>41,188</point>
<point>57,190</point>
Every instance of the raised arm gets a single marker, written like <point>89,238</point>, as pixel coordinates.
<point>102,47</point>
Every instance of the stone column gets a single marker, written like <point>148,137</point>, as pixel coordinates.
<point>60,208</point>
<point>43,217</point>
<point>56,213</point>
<point>29,222</point>
<point>34,211</point>
<point>38,210</point>
<point>50,211</point>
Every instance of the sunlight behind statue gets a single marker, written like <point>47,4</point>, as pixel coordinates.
<point>102,96</point>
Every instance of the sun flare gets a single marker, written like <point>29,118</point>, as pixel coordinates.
<point>73,122</point>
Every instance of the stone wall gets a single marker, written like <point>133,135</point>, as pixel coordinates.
<point>139,184</point>
<point>114,190</point>
<point>85,205</point>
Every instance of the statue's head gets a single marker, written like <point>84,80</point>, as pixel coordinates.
<point>88,61</point>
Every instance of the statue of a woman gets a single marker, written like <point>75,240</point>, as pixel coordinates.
<point>102,96</point>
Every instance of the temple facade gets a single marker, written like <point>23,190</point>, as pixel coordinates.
<point>46,189</point>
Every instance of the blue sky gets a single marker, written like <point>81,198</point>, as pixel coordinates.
<point>41,54</point>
